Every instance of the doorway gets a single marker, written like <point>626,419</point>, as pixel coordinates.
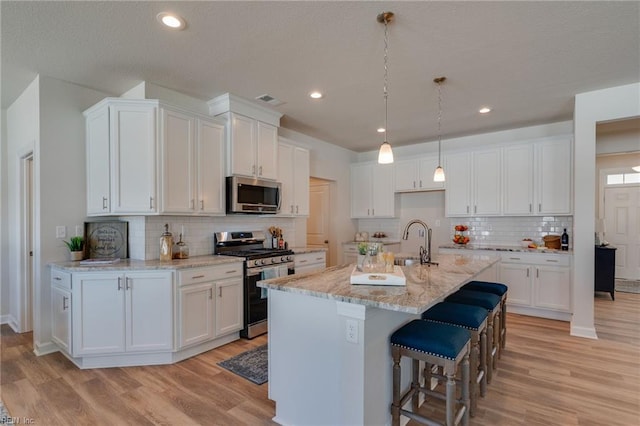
<point>319,220</point>
<point>621,213</point>
<point>26,245</point>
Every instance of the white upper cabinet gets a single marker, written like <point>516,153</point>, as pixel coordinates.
<point>293,173</point>
<point>372,190</point>
<point>192,164</point>
<point>416,175</point>
<point>252,136</point>
<point>121,157</point>
<point>537,178</point>
<point>473,181</point>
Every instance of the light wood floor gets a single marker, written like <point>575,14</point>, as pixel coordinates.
<point>545,377</point>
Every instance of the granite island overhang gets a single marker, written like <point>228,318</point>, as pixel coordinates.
<point>329,355</point>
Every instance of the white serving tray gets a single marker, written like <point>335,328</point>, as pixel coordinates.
<point>379,278</point>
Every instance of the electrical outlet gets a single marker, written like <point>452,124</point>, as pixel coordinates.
<point>437,222</point>
<point>352,331</point>
<point>79,231</point>
<point>61,231</point>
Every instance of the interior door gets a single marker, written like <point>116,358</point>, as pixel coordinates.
<point>319,220</point>
<point>622,228</point>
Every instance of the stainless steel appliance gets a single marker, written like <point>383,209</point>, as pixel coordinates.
<point>246,195</point>
<point>259,263</point>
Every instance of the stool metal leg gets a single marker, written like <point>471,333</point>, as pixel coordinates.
<point>395,405</point>
<point>451,393</point>
<point>497,320</point>
<point>490,335</point>
<point>474,359</point>
<point>465,389</point>
<point>415,384</point>
<point>483,361</point>
<point>503,331</point>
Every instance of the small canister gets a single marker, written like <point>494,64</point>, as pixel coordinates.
<point>181,250</point>
<point>166,244</point>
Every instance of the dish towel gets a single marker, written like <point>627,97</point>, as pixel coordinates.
<point>266,274</point>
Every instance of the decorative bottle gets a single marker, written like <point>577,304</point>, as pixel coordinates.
<point>166,244</point>
<point>564,240</point>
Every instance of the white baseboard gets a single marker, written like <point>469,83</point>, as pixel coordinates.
<point>586,332</point>
<point>45,348</point>
<point>4,319</point>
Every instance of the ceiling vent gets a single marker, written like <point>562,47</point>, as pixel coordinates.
<point>269,99</point>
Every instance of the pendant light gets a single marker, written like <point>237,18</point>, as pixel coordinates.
<point>385,155</point>
<point>438,175</point>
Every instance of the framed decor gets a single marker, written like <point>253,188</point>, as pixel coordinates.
<point>106,240</point>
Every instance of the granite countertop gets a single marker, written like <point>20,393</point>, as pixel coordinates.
<point>426,285</point>
<point>133,264</point>
<point>504,248</point>
<point>375,240</point>
<point>303,250</point>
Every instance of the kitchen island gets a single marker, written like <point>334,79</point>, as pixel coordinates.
<point>329,356</point>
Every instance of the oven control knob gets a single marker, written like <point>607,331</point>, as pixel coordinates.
<point>273,260</point>
<point>259,262</point>
<point>283,259</point>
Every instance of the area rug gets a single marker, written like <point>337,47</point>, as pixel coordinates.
<point>252,365</point>
<point>627,286</point>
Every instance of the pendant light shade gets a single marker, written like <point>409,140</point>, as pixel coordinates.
<point>438,175</point>
<point>385,154</point>
<point>636,168</point>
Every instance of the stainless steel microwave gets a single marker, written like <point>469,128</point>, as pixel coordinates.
<point>246,195</point>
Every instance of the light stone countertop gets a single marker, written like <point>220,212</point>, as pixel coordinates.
<point>387,241</point>
<point>464,247</point>
<point>133,264</point>
<point>426,285</point>
<point>303,250</point>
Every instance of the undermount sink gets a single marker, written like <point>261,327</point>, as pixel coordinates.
<point>405,261</point>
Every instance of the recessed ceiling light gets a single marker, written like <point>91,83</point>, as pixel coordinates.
<point>171,20</point>
<point>315,95</point>
<point>484,110</point>
<point>381,130</point>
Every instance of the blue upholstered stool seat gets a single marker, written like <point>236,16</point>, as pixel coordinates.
<point>477,298</point>
<point>468,316</point>
<point>441,340</point>
<point>488,287</point>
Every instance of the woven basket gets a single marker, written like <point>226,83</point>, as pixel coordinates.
<point>552,241</point>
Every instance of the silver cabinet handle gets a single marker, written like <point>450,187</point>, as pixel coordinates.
<point>233,271</point>
<point>291,208</point>
<point>373,212</point>
<point>104,203</point>
<point>296,209</point>
<point>197,276</point>
<point>539,207</point>
<point>527,272</point>
<point>530,208</point>
<point>192,204</point>
<point>150,203</point>
<point>220,292</point>
<point>368,212</point>
<point>65,306</point>
<point>514,258</point>
<point>552,261</point>
<point>537,273</point>
<point>253,169</point>
<point>302,261</point>
<point>211,293</point>
<point>57,278</point>
<point>421,183</point>
<point>475,209</point>
<point>119,283</point>
<point>467,209</point>
<point>201,204</point>
<point>128,284</point>
<point>260,171</point>
<point>414,183</point>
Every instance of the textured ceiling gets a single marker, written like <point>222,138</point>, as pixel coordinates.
<point>526,60</point>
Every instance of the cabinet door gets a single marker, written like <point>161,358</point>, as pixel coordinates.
<point>553,165</point>
<point>242,150</point>
<point>149,311</point>
<point>518,279</point>
<point>196,314</point>
<point>210,167</point>
<point>133,154</point>
<point>61,318</point>
<point>382,194</point>
<point>228,309</point>
<point>98,313</point>
<point>178,183</point>
<point>458,184</point>
<point>487,191</point>
<point>552,288</point>
<point>286,178</point>
<point>98,167</point>
<point>406,175</point>
<point>427,167</point>
<point>301,181</point>
<point>267,150</point>
<point>518,180</point>
<point>360,190</point>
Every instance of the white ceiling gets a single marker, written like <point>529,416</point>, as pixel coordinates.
<point>526,60</point>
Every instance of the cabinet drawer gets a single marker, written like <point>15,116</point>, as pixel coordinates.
<point>61,279</point>
<point>201,275</point>
<point>309,259</point>
<point>350,248</point>
<point>537,258</point>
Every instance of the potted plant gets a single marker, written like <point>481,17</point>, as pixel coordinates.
<point>76,247</point>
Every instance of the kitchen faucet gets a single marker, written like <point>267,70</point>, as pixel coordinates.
<point>425,251</point>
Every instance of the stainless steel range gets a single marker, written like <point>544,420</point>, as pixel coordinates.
<point>260,263</point>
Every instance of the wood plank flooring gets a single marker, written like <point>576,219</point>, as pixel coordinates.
<point>544,377</point>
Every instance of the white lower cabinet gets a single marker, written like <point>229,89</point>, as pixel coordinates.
<point>310,262</point>
<point>210,303</point>
<point>539,284</point>
<point>61,309</point>
<point>115,312</point>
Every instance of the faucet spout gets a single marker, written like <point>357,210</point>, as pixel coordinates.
<point>425,251</point>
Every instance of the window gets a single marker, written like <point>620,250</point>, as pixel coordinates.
<point>623,178</point>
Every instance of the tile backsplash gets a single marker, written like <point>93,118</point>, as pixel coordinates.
<point>145,231</point>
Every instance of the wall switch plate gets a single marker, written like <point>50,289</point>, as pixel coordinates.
<point>79,231</point>
<point>61,231</point>
<point>437,222</point>
<point>352,331</point>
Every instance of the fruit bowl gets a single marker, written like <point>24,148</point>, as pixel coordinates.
<point>460,239</point>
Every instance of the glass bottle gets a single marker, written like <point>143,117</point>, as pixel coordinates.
<point>181,250</point>
<point>166,244</point>
<point>564,240</point>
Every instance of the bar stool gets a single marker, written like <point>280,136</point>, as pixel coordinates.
<point>499,290</point>
<point>474,319</point>
<point>491,303</point>
<point>443,345</point>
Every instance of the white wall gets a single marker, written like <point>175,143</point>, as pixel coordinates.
<point>4,240</point>
<point>615,103</point>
